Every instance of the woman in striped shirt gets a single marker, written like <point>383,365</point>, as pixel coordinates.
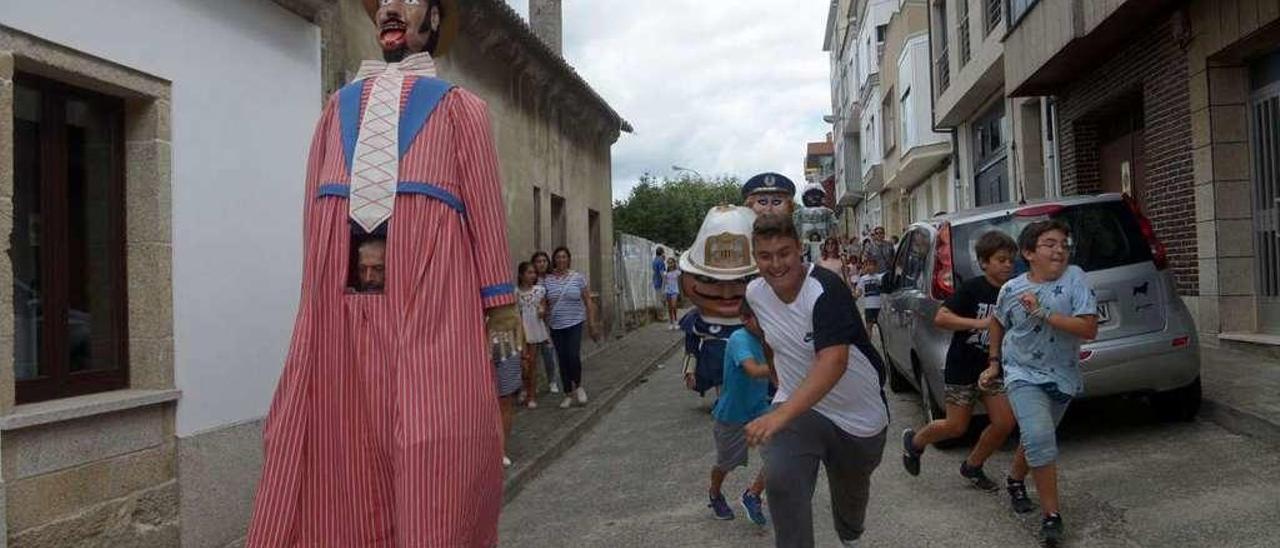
<point>569,306</point>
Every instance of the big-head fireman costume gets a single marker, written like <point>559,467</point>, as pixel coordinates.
<point>384,430</point>
<point>713,276</point>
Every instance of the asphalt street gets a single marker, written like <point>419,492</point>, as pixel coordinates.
<point>639,479</point>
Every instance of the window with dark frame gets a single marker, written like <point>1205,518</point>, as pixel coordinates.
<point>995,14</point>
<point>67,247</point>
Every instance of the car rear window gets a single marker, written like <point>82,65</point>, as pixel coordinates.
<point>1105,235</point>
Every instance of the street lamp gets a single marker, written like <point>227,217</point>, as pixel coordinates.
<point>693,171</point>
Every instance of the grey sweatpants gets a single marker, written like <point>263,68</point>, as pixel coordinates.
<point>791,471</point>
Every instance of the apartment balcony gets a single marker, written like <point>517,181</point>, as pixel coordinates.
<point>873,179</point>
<point>917,164</point>
<point>1057,41</point>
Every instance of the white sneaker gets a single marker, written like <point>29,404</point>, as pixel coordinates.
<point>532,404</point>
<point>582,396</point>
<point>566,403</point>
<point>849,543</point>
<point>506,462</point>
<point>555,388</point>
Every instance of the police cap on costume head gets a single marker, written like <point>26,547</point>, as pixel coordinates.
<point>768,182</point>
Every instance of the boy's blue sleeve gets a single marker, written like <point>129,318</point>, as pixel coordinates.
<point>1002,302</point>
<point>738,350</point>
<point>1083,300</point>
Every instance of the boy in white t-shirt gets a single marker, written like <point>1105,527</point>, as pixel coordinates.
<point>868,290</point>
<point>830,407</point>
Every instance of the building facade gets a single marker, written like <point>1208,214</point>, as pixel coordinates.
<point>845,118</point>
<point>917,179</point>
<point>1174,103</point>
<point>152,162</point>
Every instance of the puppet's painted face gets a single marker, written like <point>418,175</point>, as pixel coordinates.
<point>716,298</point>
<point>812,199</point>
<point>770,203</point>
<point>401,28</point>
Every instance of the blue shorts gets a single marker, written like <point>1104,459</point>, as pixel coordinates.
<point>1039,409</point>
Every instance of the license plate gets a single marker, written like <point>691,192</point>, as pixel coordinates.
<point>1104,312</point>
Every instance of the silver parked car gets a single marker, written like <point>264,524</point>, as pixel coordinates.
<point>1147,342</point>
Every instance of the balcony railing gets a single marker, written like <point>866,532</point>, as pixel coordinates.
<point>966,52</point>
<point>995,9</point>
<point>943,69</point>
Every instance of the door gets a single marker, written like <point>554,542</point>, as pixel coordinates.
<point>1121,157</point>
<point>990,158</point>
<point>909,279</point>
<point>1265,130</point>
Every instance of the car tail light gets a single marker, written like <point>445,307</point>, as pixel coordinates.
<point>1181,341</point>
<point>1085,355</point>
<point>1158,253</point>
<point>943,280</point>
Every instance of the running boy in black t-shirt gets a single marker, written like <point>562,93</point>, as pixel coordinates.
<point>969,312</point>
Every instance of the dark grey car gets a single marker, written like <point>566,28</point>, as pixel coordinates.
<point>1147,342</point>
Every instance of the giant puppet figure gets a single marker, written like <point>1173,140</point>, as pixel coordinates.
<point>815,222</point>
<point>769,194</point>
<point>713,276</point>
<point>384,431</point>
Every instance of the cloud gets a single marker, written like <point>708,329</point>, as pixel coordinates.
<point>726,88</point>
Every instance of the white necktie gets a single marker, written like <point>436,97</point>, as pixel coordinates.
<point>376,164</point>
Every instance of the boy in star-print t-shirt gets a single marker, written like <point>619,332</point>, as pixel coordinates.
<point>1042,318</point>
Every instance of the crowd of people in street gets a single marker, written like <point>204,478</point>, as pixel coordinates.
<point>797,375</point>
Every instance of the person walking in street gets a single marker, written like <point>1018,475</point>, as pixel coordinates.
<point>831,257</point>
<point>659,267</point>
<point>879,249</point>
<point>507,363</point>
<point>671,293</point>
<point>1042,318</point>
<point>969,314</point>
<point>830,406</point>
<point>542,265</point>
<point>533,313</point>
<point>868,290</point>
<point>743,398</point>
<point>570,306</point>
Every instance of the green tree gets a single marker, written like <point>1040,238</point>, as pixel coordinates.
<point>670,211</point>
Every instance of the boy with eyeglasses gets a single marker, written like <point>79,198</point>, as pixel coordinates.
<point>1042,318</point>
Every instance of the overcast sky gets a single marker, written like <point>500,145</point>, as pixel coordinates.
<point>722,87</point>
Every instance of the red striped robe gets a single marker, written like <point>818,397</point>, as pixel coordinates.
<point>384,429</point>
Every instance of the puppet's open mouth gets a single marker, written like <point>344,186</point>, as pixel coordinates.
<point>392,34</point>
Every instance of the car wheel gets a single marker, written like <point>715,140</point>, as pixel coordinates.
<point>1179,404</point>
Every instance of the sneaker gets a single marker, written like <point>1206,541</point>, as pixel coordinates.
<point>566,403</point>
<point>523,397</point>
<point>555,388</point>
<point>1018,496</point>
<point>977,477</point>
<point>506,462</point>
<point>1051,529</point>
<point>532,404</point>
<point>720,507</point>
<point>851,543</point>
<point>910,456</point>
<point>754,507</point>
<point>581,395</point>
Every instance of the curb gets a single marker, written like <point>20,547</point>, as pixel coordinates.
<point>1240,422</point>
<point>575,430</point>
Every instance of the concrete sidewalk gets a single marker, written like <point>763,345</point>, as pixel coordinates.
<point>609,371</point>
<point>1241,392</point>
